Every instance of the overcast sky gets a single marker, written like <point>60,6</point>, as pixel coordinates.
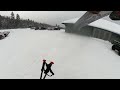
<point>49,17</point>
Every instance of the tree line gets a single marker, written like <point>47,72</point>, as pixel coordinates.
<point>14,21</point>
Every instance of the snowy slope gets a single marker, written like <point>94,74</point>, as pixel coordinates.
<point>75,57</point>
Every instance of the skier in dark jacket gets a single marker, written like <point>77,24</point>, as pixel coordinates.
<point>48,69</point>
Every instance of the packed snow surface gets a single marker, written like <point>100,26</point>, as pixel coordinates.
<point>74,56</point>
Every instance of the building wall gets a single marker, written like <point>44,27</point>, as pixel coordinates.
<point>87,31</point>
<point>68,28</point>
<point>115,37</point>
<point>102,34</point>
<point>93,32</point>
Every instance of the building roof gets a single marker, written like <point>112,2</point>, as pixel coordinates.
<point>101,23</point>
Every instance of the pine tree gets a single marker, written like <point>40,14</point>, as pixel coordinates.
<point>4,23</point>
<point>0,22</point>
<point>12,16</point>
<point>17,17</point>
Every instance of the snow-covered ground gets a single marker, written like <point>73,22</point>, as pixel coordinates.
<point>74,56</point>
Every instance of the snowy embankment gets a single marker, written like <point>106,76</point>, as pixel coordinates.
<point>75,56</point>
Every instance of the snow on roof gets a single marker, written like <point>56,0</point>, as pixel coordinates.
<point>70,21</point>
<point>101,23</point>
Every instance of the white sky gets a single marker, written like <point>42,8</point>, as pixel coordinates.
<point>49,17</point>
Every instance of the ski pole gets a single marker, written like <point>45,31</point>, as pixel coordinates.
<point>45,76</point>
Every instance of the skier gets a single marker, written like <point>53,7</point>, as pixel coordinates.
<point>44,63</point>
<point>48,69</point>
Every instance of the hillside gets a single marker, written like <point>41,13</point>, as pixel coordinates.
<point>12,23</point>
